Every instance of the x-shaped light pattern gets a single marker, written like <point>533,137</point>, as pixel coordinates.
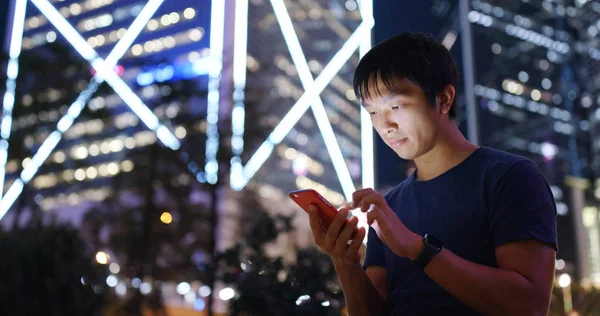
<point>240,175</point>
<point>313,88</point>
<point>104,72</point>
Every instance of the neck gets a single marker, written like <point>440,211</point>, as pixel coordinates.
<point>450,149</point>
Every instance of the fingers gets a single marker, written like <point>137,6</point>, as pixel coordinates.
<point>336,226</point>
<point>315,225</point>
<point>357,241</point>
<point>374,198</point>
<point>342,241</point>
<point>373,215</point>
<point>358,195</point>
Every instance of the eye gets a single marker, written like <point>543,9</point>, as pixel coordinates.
<point>372,112</point>
<point>396,107</point>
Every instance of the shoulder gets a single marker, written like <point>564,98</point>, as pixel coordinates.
<point>500,164</point>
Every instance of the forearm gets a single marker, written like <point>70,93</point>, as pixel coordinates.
<point>361,296</point>
<point>491,291</point>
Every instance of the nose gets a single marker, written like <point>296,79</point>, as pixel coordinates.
<point>389,126</point>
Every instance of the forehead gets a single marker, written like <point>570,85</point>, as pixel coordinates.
<point>376,90</point>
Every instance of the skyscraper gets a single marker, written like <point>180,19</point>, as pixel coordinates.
<point>291,51</point>
<point>534,98</point>
<point>159,41</point>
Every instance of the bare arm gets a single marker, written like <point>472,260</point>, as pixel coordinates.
<point>520,286</point>
<point>364,291</point>
<point>362,295</point>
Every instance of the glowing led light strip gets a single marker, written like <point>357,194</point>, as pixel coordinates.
<point>75,109</point>
<point>335,153</point>
<point>366,128</point>
<point>217,27</point>
<point>12,71</point>
<point>104,71</point>
<point>238,113</point>
<point>302,104</point>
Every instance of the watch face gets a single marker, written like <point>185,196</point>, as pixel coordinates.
<point>433,241</point>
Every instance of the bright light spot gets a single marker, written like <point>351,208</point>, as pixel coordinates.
<point>183,288</point>
<point>121,289</point>
<point>536,95</point>
<point>590,216</point>
<point>523,76</point>
<point>136,282</point>
<point>152,25</point>
<point>91,172</point>
<point>548,150</point>
<point>145,288</point>
<point>127,166</point>
<point>102,257</point>
<point>116,145</point>
<point>199,304</point>
<point>325,303</point>
<point>59,157</point>
<point>166,218</point>
<point>51,37</point>
<point>80,174</point>
<point>112,281</point>
<point>174,17</point>
<point>25,162</point>
<point>137,49</point>
<point>226,293</point>
<point>130,142</point>
<point>291,153</point>
<point>546,83</point>
<point>189,13</point>
<point>112,168</point>
<point>180,132</point>
<point>350,95</point>
<point>560,264</point>
<point>564,280</point>
<point>196,35</point>
<point>75,9</point>
<point>114,268</point>
<point>351,5</point>
<point>302,300</point>
<point>204,291</point>
<point>164,20</point>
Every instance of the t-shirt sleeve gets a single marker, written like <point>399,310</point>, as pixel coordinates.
<point>522,206</point>
<point>375,255</point>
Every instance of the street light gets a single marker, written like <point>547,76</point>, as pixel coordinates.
<point>564,281</point>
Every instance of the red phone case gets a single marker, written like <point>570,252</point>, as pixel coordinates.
<point>327,212</point>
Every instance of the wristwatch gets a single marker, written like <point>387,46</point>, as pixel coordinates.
<point>432,246</point>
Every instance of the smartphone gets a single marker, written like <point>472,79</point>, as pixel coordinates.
<point>327,212</point>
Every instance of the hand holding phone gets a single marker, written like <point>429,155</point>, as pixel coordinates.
<point>338,237</point>
<point>327,212</point>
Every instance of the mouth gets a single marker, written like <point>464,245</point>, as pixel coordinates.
<point>397,142</point>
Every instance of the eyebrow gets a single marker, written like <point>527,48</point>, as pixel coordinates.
<point>390,97</point>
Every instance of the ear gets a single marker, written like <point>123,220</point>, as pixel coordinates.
<point>446,98</point>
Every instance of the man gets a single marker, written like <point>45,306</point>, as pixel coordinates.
<point>472,231</point>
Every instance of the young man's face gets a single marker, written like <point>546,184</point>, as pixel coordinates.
<point>404,118</point>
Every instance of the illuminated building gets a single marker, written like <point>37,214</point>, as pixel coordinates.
<point>159,41</point>
<point>309,49</point>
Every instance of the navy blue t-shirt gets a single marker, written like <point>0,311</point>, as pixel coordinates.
<point>489,199</point>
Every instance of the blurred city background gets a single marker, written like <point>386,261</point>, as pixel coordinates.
<point>147,147</point>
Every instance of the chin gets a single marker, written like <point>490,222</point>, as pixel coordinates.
<point>406,154</point>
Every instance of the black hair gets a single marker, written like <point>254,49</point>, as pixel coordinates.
<point>416,57</point>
